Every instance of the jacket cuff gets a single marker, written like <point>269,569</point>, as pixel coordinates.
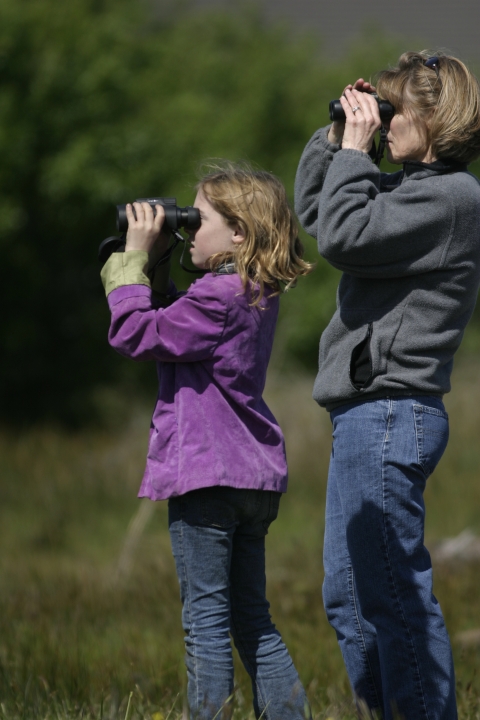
<point>322,136</point>
<point>125,268</point>
<point>357,153</point>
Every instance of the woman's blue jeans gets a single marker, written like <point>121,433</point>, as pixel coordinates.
<point>218,542</point>
<point>378,574</point>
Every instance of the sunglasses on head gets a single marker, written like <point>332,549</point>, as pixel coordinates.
<point>433,63</point>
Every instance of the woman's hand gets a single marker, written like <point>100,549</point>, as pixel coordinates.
<point>337,129</point>
<point>362,120</point>
<point>145,229</point>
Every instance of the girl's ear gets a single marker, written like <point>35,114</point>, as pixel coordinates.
<point>238,236</point>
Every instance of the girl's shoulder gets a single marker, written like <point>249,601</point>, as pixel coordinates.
<point>227,289</point>
<point>220,286</point>
<point>213,295</point>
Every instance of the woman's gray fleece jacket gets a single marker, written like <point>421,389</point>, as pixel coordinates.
<point>408,244</point>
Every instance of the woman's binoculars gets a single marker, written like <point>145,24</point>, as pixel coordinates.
<point>386,109</point>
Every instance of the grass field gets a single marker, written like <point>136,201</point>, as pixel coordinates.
<point>90,628</point>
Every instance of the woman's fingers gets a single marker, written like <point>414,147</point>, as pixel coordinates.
<point>337,129</point>
<point>362,120</point>
<point>363,86</point>
<point>347,107</point>
<point>364,107</point>
<point>368,106</point>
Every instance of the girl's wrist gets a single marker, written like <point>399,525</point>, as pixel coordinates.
<point>143,246</point>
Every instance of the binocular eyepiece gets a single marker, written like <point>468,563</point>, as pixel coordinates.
<point>175,217</point>
<point>386,109</point>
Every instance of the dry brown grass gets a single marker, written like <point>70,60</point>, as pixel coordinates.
<point>76,639</point>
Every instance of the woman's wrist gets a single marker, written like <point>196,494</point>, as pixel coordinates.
<point>335,133</point>
<point>357,148</point>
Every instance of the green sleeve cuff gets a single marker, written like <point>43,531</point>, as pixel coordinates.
<point>125,268</point>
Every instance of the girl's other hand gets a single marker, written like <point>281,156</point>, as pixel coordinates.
<point>337,129</point>
<point>145,228</point>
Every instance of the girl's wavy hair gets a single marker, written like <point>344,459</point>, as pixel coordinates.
<point>256,202</point>
<point>448,103</point>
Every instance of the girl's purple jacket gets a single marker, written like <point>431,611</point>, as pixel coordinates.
<point>210,425</point>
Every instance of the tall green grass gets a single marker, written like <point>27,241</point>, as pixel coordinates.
<point>78,638</point>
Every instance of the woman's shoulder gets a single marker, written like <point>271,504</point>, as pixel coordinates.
<point>469,182</point>
<point>462,189</point>
<point>447,187</point>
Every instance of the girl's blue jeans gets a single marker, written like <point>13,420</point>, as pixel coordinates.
<point>218,542</point>
<point>378,574</point>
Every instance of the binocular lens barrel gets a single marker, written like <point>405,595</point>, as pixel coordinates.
<point>175,217</point>
<point>386,109</point>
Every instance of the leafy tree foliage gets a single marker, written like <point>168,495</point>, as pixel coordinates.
<point>103,101</point>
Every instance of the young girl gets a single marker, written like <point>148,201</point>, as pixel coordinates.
<point>215,450</point>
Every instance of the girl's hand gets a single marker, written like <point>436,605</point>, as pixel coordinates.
<point>144,230</point>
<point>337,130</point>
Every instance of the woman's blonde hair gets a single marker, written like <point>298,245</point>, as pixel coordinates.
<point>256,202</point>
<point>448,102</point>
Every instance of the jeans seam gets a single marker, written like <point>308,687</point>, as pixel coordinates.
<point>419,437</point>
<point>246,663</point>
<point>188,602</point>
<point>359,628</point>
<point>418,679</point>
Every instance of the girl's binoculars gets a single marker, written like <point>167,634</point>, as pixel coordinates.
<point>175,217</point>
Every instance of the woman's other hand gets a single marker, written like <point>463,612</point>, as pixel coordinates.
<point>145,228</point>
<point>337,129</point>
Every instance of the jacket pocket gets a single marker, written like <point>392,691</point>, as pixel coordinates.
<point>361,368</point>
<point>431,433</point>
<point>341,346</point>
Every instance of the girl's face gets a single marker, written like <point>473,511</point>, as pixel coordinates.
<point>406,139</point>
<point>213,236</point>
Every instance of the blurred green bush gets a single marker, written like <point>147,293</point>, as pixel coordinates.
<point>103,101</point>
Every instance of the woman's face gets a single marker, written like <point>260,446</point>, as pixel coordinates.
<point>406,139</point>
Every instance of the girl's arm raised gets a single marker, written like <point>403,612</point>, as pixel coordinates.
<point>189,330</point>
<point>145,233</point>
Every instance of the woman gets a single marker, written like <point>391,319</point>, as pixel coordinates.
<point>408,244</point>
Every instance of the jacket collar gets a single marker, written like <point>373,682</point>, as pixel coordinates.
<point>226,268</point>
<point>439,167</point>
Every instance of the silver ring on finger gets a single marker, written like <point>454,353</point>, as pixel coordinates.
<point>355,108</point>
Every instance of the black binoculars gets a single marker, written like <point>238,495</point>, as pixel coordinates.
<point>175,218</point>
<point>387,111</point>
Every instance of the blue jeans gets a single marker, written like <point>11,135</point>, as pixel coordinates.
<point>378,574</point>
<point>218,542</point>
